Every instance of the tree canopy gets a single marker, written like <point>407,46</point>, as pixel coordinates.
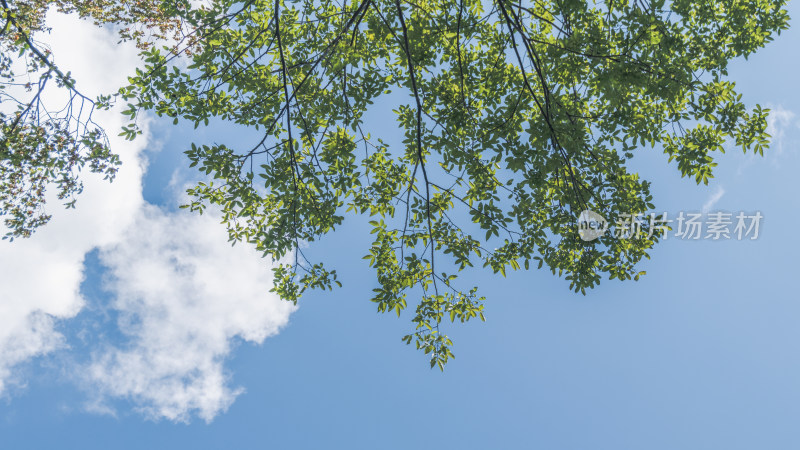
<point>516,117</point>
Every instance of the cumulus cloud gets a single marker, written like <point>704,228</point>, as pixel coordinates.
<point>32,335</point>
<point>40,277</point>
<point>183,295</point>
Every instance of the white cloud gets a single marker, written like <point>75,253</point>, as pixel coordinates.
<point>41,276</point>
<point>182,293</point>
<point>778,122</point>
<point>781,122</point>
<point>713,199</point>
<point>31,336</point>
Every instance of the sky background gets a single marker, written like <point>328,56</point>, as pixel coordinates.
<point>126,324</point>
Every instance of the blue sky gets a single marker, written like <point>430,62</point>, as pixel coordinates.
<point>701,353</point>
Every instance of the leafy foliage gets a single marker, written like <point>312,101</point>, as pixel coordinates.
<point>515,116</point>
